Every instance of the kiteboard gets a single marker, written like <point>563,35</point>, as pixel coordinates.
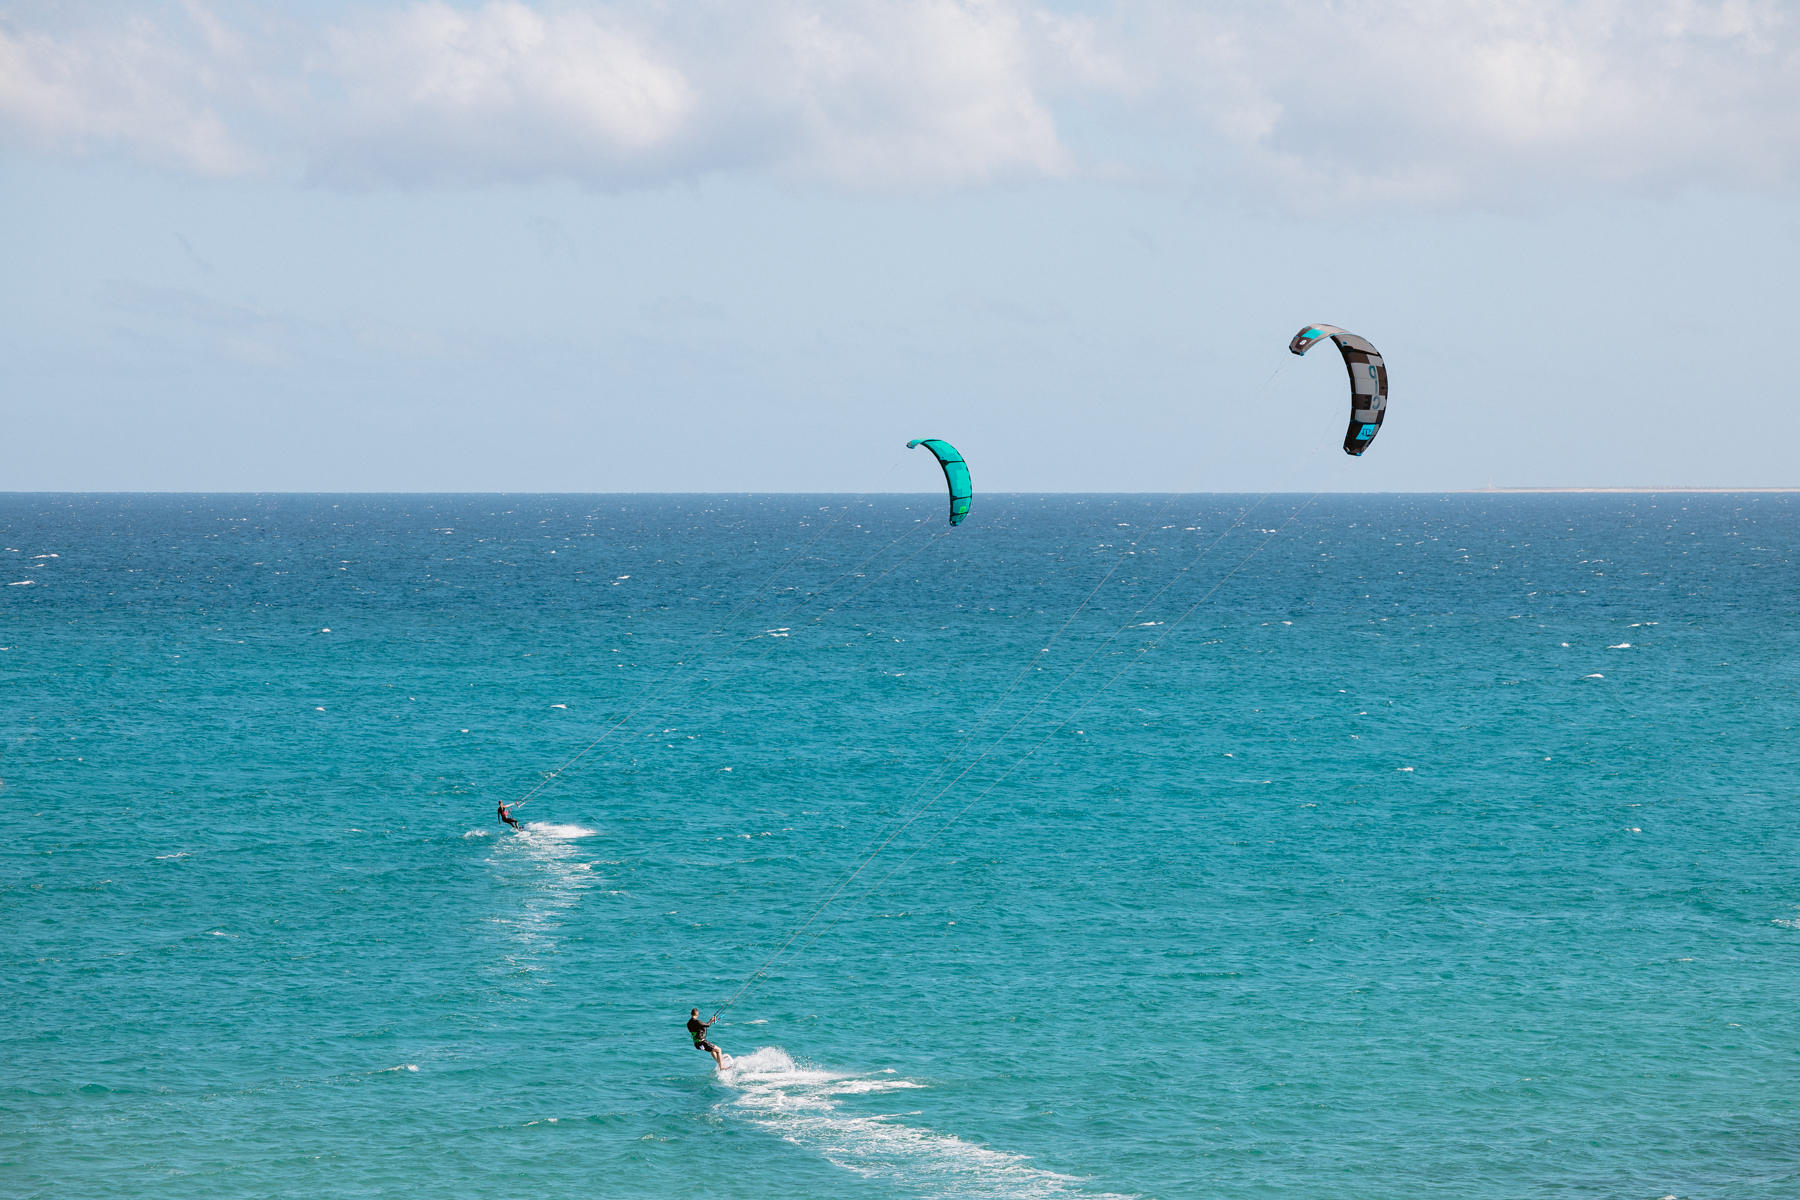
<point>725,1061</point>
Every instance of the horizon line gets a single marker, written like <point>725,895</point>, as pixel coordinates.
<point>1682,489</point>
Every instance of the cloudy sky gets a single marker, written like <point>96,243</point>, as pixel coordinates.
<point>698,246</point>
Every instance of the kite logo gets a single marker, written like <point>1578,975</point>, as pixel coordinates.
<point>1365,433</point>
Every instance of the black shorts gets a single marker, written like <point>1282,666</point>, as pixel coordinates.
<point>705,1045</point>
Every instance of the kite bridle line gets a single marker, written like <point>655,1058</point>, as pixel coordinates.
<point>767,650</point>
<point>750,982</point>
<point>914,527</point>
<point>930,542</point>
<point>871,855</point>
<point>867,856</point>
<point>1142,651</point>
<point>657,687</point>
<point>673,684</point>
<point>890,832</point>
<point>651,693</point>
<point>789,615</point>
<point>1031,663</point>
<point>1059,726</point>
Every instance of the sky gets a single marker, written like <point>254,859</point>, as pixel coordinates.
<point>728,246</point>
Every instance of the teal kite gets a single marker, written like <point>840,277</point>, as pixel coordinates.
<point>956,474</point>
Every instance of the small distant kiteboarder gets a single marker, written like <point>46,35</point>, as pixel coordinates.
<point>506,816</point>
<point>697,1030</point>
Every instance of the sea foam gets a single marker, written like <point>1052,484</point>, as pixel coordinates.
<point>800,1105</point>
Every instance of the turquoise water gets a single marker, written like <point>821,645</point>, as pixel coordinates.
<point>1447,848</point>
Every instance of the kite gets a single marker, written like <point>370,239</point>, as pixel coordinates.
<point>1368,381</point>
<point>956,474</point>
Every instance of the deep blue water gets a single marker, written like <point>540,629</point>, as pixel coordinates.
<point>1443,847</point>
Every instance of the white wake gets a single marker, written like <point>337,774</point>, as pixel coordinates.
<point>543,871</point>
<point>801,1105</point>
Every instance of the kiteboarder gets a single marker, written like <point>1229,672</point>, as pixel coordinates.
<point>697,1030</point>
<point>506,816</point>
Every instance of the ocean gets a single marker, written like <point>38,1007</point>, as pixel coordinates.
<point>1176,846</point>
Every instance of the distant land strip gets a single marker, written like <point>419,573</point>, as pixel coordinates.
<point>1629,491</point>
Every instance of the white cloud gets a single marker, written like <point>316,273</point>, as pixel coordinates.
<point>1428,101</point>
<point>431,92</point>
<point>131,85</point>
<point>937,92</point>
<point>1317,103</point>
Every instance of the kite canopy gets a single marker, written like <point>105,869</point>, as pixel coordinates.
<point>956,474</point>
<point>1368,381</point>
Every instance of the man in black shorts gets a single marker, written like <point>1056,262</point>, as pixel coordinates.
<point>506,816</point>
<point>697,1030</point>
